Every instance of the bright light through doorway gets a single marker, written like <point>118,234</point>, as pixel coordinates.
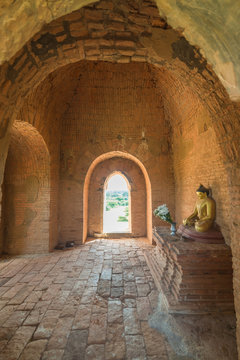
<point>116,218</point>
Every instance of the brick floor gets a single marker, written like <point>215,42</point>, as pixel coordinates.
<point>90,302</point>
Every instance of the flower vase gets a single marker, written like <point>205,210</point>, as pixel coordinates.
<point>173,228</point>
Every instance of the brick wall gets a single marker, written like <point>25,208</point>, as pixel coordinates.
<point>43,109</point>
<point>115,107</point>
<point>197,154</point>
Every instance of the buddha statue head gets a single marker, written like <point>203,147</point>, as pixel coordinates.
<point>202,192</point>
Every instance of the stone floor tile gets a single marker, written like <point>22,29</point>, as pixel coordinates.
<point>68,285</point>
<point>12,291</point>
<point>144,308</point>
<point>104,288</point>
<point>79,287</point>
<point>60,279</point>
<point>6,334</point>
<point>3,344</point>
<point>117,280</point>
<point>16,319</point>
<point>128,302</point>
<point>6,312</point>
<point>138,271</point>
<point>37,278</point>
<point>117,268</point>
<point>93,279</point>
<point>59,301</point>
<point>16,345</point>
<point>88,294</point>
<point>128,275</point>
<point>106,274</point>
<point>44,284</point>
<point>97,269</point>
<point>85,274</point>
<point>100,305</point>
<point>135,348</point>
<point>107,264</point>
<point>46,326</point>
<point>21,295</point>
<point>12,281</point>
<point>51,292</point>
<point>60,334</point>
<point>82,317</point>
<point>95,352</point>
<point>35,317</point>
<point>2,304</point>
<point>34,296</point>
<point>141,280</point>
<point>27,306</point>
<point>76,345</point>
<point>115,348</point>
<point>27,278</point>
<point>126,263</point>
<point>115,313</point>
<point>131,322</point>
<point>42,305</point>
<point>3,290</point>
<point>33,350</point>
<point>70,307</point>
<point>130,289</point>
<point>143,289</point>
<point>53,355</point>
<point>97,329</point>
<point>116,292</point>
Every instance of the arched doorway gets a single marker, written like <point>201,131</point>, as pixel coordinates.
<point>141,221</point>
<point>26,192</point>
<point>117,204</point>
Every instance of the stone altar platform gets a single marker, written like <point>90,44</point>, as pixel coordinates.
<point>212,236</point>
<point>191,277</point>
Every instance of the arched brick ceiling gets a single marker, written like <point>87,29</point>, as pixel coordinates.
<point>213,26</point>
<point>115,32</point>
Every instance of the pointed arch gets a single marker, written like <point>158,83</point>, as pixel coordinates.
<point>26,192</point>
<point>140,165</point>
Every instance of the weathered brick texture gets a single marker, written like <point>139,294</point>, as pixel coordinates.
<point>193,276</point>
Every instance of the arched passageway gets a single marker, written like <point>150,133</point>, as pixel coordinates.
<point>141,206</point>
<point>26,192</point>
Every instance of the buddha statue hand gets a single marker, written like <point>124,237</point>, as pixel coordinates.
<point>189,221</point>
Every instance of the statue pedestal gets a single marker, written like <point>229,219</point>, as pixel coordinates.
<point>191,276</point>
<point>212,236</point>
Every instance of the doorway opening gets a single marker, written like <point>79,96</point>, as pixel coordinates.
<point>117,201</point>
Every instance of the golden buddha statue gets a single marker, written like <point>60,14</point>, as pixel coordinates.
<point>204,212</point>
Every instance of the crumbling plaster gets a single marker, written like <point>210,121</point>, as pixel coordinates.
<point>213,26</point>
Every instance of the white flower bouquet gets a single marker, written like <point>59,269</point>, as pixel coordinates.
<point>163,213</point>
